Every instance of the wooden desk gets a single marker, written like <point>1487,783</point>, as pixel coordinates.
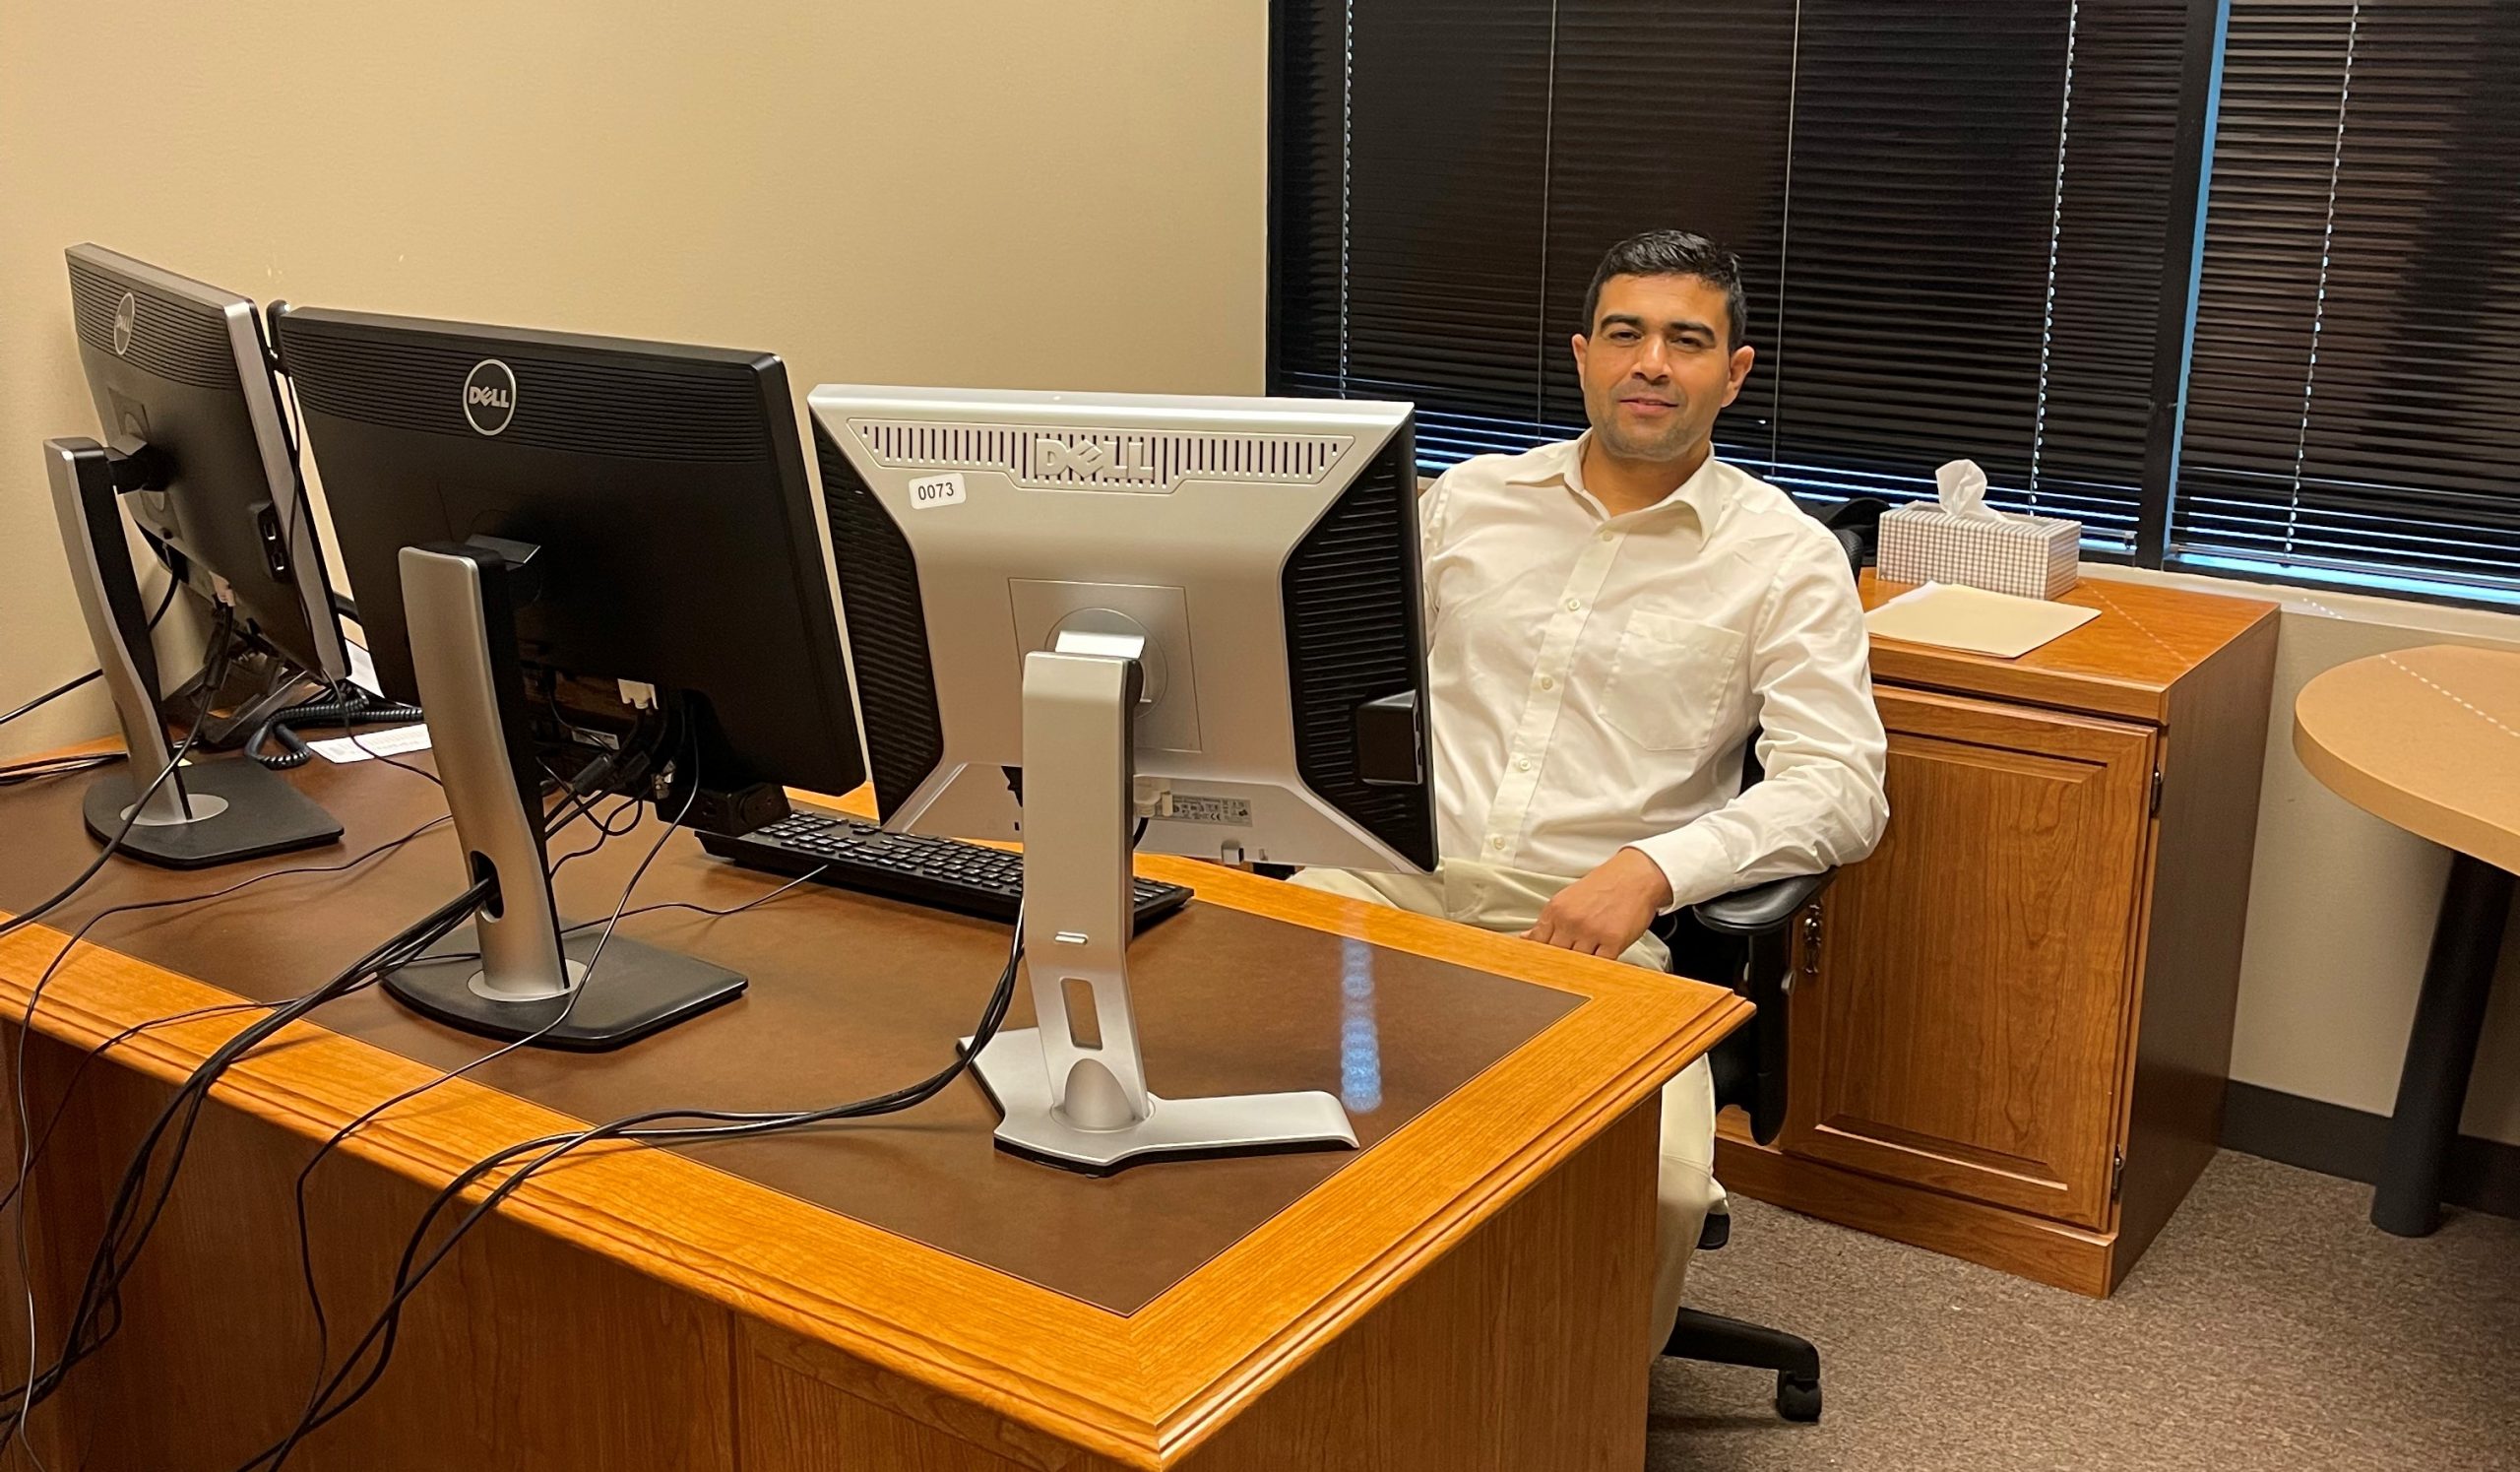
<point>2429,739</point>
<point>1467,1290</point>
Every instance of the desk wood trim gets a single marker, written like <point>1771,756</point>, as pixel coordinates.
<point>1143,1390</point>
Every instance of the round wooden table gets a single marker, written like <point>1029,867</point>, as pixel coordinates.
<point>2430,741</point>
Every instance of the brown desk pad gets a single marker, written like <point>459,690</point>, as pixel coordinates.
<point>850,995</point>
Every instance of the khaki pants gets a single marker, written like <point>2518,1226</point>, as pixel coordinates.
<point>1510,901</point>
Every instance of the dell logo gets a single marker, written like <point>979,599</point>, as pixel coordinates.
<point>1056,457</point>
<point>126,317</point>
<point>490,396</point>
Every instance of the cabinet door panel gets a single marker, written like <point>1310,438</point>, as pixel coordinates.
<point>1966,1025</point>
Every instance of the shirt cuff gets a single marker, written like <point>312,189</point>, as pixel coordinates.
<point>1693,863</point>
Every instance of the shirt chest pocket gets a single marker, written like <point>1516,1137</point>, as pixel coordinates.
<point>1670,681</point>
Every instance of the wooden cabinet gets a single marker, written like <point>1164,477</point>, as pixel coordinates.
<point>1963,1026</point>
<point>1971,1065</point>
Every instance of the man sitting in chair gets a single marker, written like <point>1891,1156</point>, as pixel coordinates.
<point>1611,619</point>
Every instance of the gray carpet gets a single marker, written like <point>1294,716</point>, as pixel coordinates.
<point>2270,1326</point>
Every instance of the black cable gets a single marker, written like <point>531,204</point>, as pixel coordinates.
<point>57,692</point>
<point>752,903</point>
<point>69,1088</point>
<point>53,694</point>
<point>343,694</point>
<point>218,658</point>
<point>116,1252</point>
<point>382,1332</point>
<point>305,1239</point>
<point>580,792</point>
<point>604,833</point>
<point>173,585</point>
<point>31,1148</point>
<point>30,1156</point>
<point>129,1223</point>
<point>345,702</point>
<point>574,804</point>
<point>446,957</point>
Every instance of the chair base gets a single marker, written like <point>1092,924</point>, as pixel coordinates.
<point>1713,1339</point>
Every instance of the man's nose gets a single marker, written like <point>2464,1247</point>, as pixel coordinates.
<point>1652,362</point>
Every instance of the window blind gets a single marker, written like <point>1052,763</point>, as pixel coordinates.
<point>2354,403</point>
<point>1950,218</point>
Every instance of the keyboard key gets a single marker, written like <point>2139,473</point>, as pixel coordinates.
<point>942,872</point>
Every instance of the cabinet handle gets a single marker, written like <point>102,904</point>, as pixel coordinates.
<point>1812,942</point>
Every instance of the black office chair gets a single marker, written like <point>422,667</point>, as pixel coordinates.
<point>1745,938</point>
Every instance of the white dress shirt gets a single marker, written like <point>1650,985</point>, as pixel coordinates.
<point>1596,676</point>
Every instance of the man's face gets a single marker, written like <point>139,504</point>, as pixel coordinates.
<point>1655,368</point>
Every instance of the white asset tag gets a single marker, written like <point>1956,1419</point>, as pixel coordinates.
<point>928,492</point>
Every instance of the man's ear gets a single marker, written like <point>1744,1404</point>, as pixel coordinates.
<point>1579,344</point>
<point>1737,372</point>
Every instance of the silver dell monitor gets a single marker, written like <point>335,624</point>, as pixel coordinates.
<point>1099,622</point>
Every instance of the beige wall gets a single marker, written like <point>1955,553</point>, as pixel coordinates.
<point>984,192</point>
<point>2341,904</point>
<point>951,191</point>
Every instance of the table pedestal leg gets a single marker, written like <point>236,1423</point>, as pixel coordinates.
<point>2432,1086</point>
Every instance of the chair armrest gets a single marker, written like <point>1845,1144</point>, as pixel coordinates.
<point>1761,908</point>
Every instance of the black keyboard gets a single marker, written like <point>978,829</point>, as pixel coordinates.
<point>943,874</point>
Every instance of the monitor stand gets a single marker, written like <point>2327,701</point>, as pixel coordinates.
<point>1072,1089</point>
<point>273,685</point>
<point>200,814</point>
<point>509,974</point>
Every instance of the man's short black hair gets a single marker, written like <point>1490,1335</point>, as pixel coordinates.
<point>1673,253</point>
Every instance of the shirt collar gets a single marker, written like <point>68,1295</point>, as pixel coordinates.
<point>1562,463</point>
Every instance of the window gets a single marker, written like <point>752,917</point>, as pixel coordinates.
<point>2354,404</point>
<point>1952,220</point>
<point>1972,227</point>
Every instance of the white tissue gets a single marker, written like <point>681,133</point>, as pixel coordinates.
<point>1964,492</point>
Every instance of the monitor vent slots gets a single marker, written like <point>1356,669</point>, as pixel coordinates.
<point>1101,459</point>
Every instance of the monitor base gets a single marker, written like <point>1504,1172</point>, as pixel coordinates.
<point>638,990</point>
<point>241,810</point>
<point>1017,1077</point>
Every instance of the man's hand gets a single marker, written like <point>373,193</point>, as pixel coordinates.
<point>1603,913</point>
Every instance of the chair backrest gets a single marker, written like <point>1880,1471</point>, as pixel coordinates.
<point>1749,1067</point>
<point>1857,522</point>
<point>1857,525</point>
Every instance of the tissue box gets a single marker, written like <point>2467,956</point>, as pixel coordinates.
<point>2028,557</point>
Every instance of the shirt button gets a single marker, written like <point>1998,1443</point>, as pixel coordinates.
<point>1574,606</point>
<point>1522,764</point>
<point>1496,843</point>
<point>1548,684</point>
<point>1607,535</point>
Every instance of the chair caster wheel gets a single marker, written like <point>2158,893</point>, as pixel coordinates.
<point>1796,1399</point>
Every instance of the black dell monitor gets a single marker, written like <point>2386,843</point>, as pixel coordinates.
<point>197,453</point>
<point>591,560</point>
